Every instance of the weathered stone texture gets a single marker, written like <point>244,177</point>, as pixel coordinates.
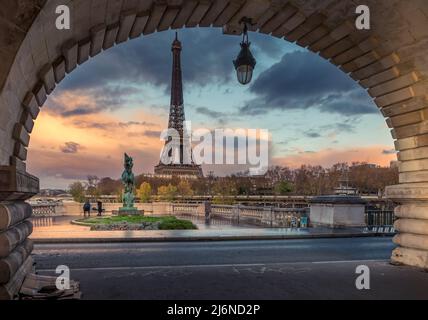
<point>13,213</point>
<point>13,237</point>
<point>17,185</point>
<point>11,264</point>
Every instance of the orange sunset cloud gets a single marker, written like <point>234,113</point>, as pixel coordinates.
<point>330,156</point>
<point>74,146</point>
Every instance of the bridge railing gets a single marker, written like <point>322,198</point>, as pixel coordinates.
<point>289,217</point>
<point>186,208</point>
<point>222,211</point>
<point>380,221</point>
<point>251,215</point>
<point>44,210</point>
<point>376,220</point>
<point>43,214</point>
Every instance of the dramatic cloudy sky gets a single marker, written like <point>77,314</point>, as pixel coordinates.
<point>119,102</point>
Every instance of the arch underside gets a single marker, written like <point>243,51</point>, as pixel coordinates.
<point>389,61</point>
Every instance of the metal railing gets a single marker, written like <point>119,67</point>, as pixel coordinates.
<point>381,221</point>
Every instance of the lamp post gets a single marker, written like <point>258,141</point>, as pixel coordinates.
<point>245,62</point>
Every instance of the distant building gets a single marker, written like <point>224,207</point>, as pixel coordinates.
<point>52,192</point>
<point>344,188</point>
<point>367,165</point>
<point>176,121</point>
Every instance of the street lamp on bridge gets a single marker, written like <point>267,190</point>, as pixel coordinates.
<point>245,62</point>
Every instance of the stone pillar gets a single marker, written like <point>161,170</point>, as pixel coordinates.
<point>412,224</point>
<point>15,247</point>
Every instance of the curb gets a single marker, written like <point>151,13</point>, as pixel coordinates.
<point>205,238</point>
<point>78,223</point>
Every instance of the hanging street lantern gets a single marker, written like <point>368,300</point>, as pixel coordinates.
<point>245,62</point>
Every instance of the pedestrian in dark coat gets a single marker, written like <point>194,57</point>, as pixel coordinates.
<point>87,208</point>
<point>100,208</point>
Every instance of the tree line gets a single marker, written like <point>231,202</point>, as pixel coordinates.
<point>278,180</point>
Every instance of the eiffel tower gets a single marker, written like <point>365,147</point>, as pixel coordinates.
<point>176,121</point>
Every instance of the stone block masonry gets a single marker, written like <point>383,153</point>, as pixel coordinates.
<point>15,228</point>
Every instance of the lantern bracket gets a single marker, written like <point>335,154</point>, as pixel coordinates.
<point>246,22</point>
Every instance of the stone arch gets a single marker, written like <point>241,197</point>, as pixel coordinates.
<point>389,61</point>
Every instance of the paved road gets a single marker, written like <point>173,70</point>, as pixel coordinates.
<point>276,269</point>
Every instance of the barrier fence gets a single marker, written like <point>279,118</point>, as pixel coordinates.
<point>380,221</point>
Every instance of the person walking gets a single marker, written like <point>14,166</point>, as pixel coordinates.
<point>87,208</point>
<point>100,208</point>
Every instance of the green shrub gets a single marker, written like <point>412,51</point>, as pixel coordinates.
<point>166,222</point>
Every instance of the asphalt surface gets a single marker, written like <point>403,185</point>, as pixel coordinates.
<point>271,269</point>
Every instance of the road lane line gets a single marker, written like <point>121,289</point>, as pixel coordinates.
<point>211,265</point>
<point>348,261</point>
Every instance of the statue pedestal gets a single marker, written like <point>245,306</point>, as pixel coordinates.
<point>128,212</point>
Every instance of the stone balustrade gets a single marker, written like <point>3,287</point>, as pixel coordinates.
<point>253,215</point>
<point>257,215</point>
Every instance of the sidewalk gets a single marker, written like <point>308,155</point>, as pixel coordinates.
<point>64,232</point>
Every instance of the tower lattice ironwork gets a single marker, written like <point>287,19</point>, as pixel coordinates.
<point>176,120</point>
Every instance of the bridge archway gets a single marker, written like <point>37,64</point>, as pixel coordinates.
<point>389,60</point>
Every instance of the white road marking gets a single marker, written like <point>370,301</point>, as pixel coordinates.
<point>348,261</point>
<point>212,265</point>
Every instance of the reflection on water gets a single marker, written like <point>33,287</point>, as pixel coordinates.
<point>42,221</point>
